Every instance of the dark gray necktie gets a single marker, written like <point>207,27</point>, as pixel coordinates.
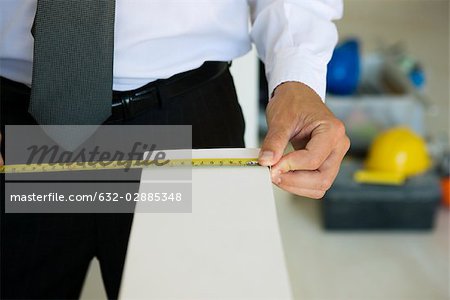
<point>73,61</point>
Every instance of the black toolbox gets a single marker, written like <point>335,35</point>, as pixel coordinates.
<point>349,205</point>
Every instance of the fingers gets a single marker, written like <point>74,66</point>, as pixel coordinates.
<point>315,183</point>
<point>315,180</point>
<point>275,143</point>
<point>324,139</point>
<point>313,194</point>
<point>297,113</point>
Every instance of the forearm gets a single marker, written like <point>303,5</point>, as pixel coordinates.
<point>295,39</point>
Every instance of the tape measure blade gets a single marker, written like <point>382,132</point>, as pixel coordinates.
<point>116,165</point>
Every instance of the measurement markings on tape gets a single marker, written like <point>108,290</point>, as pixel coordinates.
<point>126,164</point>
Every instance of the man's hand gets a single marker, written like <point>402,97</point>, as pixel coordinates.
<point>1,158</point>
<point>296,114</point>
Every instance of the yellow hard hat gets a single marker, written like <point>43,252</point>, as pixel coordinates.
<point>395,154</point>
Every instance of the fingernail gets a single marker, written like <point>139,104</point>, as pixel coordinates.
<point>266,157</point>
<point>277,180</point>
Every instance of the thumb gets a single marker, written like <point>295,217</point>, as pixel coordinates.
<point>274,144</point>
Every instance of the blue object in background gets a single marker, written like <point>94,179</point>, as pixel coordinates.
<point>417,77</point>
<point>344,69</point>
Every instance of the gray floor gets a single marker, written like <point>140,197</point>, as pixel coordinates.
<point>93,287</point>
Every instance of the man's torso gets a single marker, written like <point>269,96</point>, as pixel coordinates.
<point>153,38</point>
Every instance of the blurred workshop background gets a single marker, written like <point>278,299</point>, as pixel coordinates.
<point>382,231</point>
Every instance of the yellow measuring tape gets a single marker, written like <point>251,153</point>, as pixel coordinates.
<point>126,164</point>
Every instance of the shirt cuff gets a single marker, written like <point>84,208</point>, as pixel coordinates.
<point>292,65</point>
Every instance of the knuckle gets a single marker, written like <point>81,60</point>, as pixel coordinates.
<point>339,127</point>
<point>278,132</point>
<point>314,163</point>
<point>325,184</point>
<point>347,143</point>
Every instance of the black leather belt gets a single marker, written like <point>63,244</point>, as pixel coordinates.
<point>128,104</point>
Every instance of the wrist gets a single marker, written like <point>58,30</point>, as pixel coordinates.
<point>294,88</point>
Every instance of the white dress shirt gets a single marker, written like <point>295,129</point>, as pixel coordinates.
<point>156,39</point>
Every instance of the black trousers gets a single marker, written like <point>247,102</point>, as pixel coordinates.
<point>46,256</point>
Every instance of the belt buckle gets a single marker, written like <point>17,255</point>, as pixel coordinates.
<point>126,106</point>
<point>133,105</point>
